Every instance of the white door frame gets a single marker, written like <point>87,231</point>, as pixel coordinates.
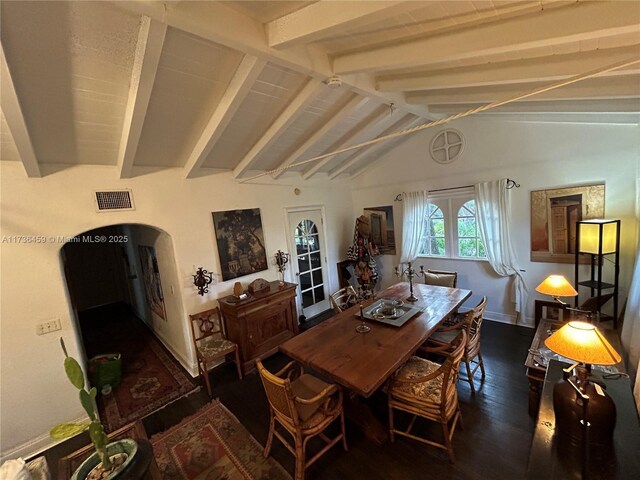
<point>290,245</point>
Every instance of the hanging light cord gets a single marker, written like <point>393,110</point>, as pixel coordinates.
<point>466,113</point>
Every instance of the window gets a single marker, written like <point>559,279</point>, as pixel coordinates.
<point>433,240</point>
<point>469,242</point>
<point>452,228</point>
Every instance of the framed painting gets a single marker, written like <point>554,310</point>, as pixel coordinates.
<point>382,230</point>
<point>554,213</point>
<point>240,242</point>
<point>151,280</point>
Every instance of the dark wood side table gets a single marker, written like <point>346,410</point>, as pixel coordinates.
<point>144,467</point>
<point>552,457</point>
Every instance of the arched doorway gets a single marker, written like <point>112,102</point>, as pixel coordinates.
<point>131,331</point>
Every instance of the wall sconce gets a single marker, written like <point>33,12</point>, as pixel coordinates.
<point>282,259</point>
<point>202,279</point>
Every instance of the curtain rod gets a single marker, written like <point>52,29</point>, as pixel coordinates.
<point>510,185</point>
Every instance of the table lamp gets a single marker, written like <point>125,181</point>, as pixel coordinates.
<point>556,286</point>
<point>582,408</point>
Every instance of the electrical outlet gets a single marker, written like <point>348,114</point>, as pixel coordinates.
<point>48,327</point>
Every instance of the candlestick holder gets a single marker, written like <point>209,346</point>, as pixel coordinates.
<point>282,259</point>
<point>363,327</point>
<point>409,272</point>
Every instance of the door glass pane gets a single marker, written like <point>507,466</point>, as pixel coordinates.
<point>319,294</point>
<point>307,299</point>
<point>305,281</point>
<point>317,277</point>
<point>303,264</point>
<point>315,260</point>
<point>312,229</point>
<point>314,244</point>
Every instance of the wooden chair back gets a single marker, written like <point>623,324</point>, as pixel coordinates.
<point>473,321</point>
<point>207,324</point>
<point>451,367</point>
<point>279,395</point>
<point>344,298</point>
<point>442,278</point>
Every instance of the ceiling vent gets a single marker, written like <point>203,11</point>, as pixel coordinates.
<point>108,201</point>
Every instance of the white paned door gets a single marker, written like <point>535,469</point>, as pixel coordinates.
<point>309,260</point>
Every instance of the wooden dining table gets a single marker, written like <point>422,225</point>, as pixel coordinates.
<point>362,362</point>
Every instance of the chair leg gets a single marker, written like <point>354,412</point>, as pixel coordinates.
<point>237,356</point>
<point>481,362</point>
<point>207,382</point>
<point>460,418</point>
<point>299,473</point>
<point>391,434</point>
<point>272,426</point>
<point>344,432</point>
<point>469,375</point>
<point>447,440</point>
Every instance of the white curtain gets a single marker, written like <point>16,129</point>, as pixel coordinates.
<point>414,217</point>
<point>493,210</point>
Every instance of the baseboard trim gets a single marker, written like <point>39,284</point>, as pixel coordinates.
<point>186,364</point>
<point>34,447</point>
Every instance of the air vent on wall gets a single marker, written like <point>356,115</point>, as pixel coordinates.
<point>114,200</point>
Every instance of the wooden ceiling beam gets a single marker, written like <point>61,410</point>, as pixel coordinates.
<point>12,110</point>
<point>375,121</point>
<point>548,28</point>
<point>405,122</point>
<point>240,85</point>
<point>590,89</point>
<point>145,67</point>
<point>540,69</point>
<point>325,18</point>
<point>621,105</point>
<point>219,23</point>
<point>278,127</point>
<point>353,104</point>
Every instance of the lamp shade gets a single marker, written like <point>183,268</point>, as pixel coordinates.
<point>582,342</point>
<point>556,286</point>
<point>595,232</point>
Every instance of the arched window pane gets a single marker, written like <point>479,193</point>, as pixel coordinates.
<point>469,241</point>
<point>433,242</point>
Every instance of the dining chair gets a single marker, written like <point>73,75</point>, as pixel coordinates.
<point>211,343</point>
<point>304,406</point>
<point>471,322</point>
<point>343,299</point>
<point>427,389</point>
<point>441,278</point>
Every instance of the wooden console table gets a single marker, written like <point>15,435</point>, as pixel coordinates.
<point>552,458</point>
<point>144,467</point>
<point>262,322</point>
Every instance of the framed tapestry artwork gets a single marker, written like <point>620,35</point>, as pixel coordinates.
<point>151,280</point>
<point>382,231</point>
<point>240,242</point>
<point>554,213</point>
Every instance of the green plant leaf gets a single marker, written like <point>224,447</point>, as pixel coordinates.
<point>98,437</point>
<point>93,392</point>
<point>66,430</point>
<point>74,372</point>
<point>87,403</point>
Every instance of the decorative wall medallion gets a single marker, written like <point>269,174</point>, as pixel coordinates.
<point>447,146</point>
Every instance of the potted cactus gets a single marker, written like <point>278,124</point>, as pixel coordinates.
<point>109,459</point>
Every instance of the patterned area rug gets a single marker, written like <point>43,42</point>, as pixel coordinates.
<point>151,377</point>
<point>213,444</point>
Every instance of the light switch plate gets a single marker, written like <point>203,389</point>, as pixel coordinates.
<point>48,327</point>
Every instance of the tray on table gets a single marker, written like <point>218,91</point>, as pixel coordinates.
<point>376,312</point>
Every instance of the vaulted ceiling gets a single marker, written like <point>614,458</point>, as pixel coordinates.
<point>243,86</point>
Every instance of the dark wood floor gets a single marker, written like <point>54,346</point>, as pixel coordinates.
<point>494,444</point>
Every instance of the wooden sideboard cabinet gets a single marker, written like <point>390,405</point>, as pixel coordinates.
<point>262,322</point>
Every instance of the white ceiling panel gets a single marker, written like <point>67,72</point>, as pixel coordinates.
<point>192,76</point>
<point>272,92</point>
<point>267,11</point>
<point>69,60</point>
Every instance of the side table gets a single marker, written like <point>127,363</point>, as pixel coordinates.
<point>145,467</point>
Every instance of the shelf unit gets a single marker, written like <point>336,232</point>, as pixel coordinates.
<point>600,248</point>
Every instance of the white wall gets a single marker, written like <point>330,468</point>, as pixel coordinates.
<point>536,155</point>
<point>35,394</point>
